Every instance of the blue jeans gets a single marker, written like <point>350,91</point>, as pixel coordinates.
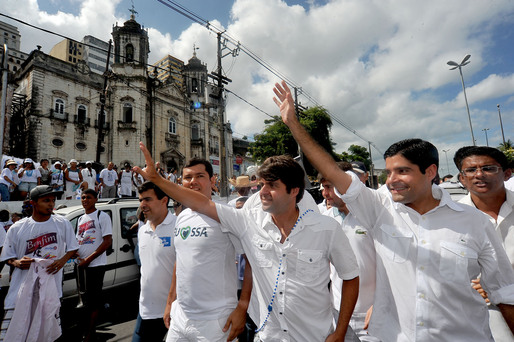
<point>4,192</point>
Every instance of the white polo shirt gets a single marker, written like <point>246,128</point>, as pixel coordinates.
<point>157,261</point>
<point>363,247</point>
<point>425,264</point>
<point>302,308</point>
<point>51,239</point>
<point>206,269</point>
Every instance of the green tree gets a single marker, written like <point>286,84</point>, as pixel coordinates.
<point>508,149</point>
<point>356,153</point>
<point>276,139</point>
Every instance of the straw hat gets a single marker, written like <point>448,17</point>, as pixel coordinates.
<point>11,162</point>
<point>242,182</point>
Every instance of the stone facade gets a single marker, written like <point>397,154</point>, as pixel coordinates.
<point>63,108</point>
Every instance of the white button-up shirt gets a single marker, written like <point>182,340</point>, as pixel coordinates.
<point>425,264</point>
<point>301,310</point>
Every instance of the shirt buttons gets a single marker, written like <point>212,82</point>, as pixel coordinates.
<point>421,295</point>
<point>421,268</point>
<point>282,272</point>
<point>423,242</point>
<point>280,313</point>
<point>281,292</point>
<point>421,324</point>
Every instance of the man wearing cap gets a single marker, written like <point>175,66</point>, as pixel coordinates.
<point>30,177</point>
<point>360,170</point>
<point>41,236</point>
<point>89,175</point>
<point>7,180</point>
<point>108,181</point>
<point>73,179</point>
<point>243,186</point>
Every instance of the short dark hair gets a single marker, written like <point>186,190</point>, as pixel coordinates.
<point>285,169</point>
<point>197,161</point>
<point>343,165</point>
<point>91,192</point>
<point>42,160</point>
<point>151,186</point>
<point>417,151</point>
<point>468,151</point>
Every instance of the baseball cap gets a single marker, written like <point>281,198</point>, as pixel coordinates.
<point>73,161</point>
<point>359,167</point>
<point>89,162</point>
<point>42,190</point>
<point>28,160</point>
<point>58,163</point>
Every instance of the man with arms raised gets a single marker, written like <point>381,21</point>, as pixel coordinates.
<point>206,274</point>
<point>155,239</point>
<point>42,235</point>
<point>483,171</point>
<point>428,247</point>
<point>290,252</point>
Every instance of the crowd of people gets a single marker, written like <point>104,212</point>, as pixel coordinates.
<point>401,263</point>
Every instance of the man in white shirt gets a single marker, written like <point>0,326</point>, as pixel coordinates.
<point>94,236</point>
<point>483,171</point>
<point>428,248</point>
<point>42,235</point>
<point>89,175</point>
<point>108,181</point>
<point>205,255</point>
<point>362,244</point>
<point>155,239</point>
<point>290,252</point>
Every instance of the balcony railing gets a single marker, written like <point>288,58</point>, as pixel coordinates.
<point>81,121</point>
<point>127,125</point>
<point>58,116</point>
<point>173,138</point>
<point>198,141</point>
<point>106,125</point>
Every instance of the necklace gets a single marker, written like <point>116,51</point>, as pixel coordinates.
<point>270,305</point>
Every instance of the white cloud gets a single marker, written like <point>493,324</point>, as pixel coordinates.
<point>379,66</point>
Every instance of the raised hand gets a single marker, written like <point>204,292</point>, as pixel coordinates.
<point>285,102</point>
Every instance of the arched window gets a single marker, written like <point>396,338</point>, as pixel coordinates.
<point>195,132</point>
<point>129,53</point>
<point>81,113</point>
<point>194,85</point>
<point>127,112</point>
<point>59,106</point>
<point>172,126</point>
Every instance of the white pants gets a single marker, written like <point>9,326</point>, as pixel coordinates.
<point>183,329</point>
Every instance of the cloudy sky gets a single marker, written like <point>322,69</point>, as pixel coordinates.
<point>378,66</point>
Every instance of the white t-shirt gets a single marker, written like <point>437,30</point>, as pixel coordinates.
<point>89,177</point>
<point>6,172</point>
<point>157,261</point>
<point>90,233</point>
<point>206,270</point>
<point>108,176</point>
<point>51,239</point>
<point>302,306</point>
<point>29,176</point>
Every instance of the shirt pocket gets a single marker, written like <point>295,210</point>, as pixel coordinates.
<point>395,242</point>
<point>308,264</point>
<point>455,259</point>
<point>263,251</point>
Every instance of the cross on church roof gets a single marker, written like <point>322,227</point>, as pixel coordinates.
<point>194,49</point>
<point>133,11</point>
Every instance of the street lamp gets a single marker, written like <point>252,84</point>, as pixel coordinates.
<point>455,65</point>
<point>486,140</point>
<point>447,165</point>
<point>501,124</point>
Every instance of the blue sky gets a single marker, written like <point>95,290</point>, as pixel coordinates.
<point>379,66</point>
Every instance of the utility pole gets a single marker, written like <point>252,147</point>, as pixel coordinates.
<point>371,167</point>
<point>102,107</point>
<point>4,99</point>
<point>501,124</point>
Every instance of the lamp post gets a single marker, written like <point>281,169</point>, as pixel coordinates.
<point>486,140</point>
<point>501,124</point>
<point>447,165</point>
<point>455,65</point>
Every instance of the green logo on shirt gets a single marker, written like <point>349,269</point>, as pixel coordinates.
<point>184,232</point>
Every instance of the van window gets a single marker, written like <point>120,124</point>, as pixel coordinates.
<point>128,218</point>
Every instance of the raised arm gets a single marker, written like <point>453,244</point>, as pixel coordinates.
<point>191,199</point>
<point>319,158</point>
